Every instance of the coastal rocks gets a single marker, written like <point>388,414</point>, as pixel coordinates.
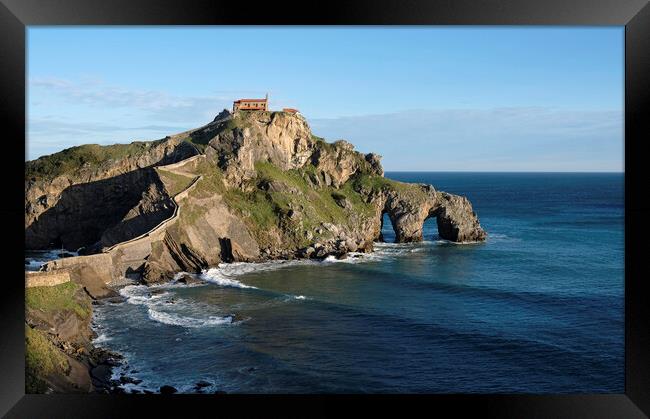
<point>375,163</point>
<point>167,390</point>
<point>201,385</point>
<point>60,353</point>
<point>456,220</point>
<point>92,272</point>
<point>124,379</point>
<point>237,142</point>
<point>337,162</point>
<point>188,280</point>
<point>154,206</point>
<point>206,234</point>
<point>225,114</point>
<point>408,209</point>
<point>76,215</point>
<point>341,200</point>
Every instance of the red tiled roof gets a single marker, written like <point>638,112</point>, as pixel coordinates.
<point>250,100</point>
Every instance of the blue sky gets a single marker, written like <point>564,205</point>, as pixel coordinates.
<point>425,98</point>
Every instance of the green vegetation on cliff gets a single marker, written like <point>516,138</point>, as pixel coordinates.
<point>174,182</point>
<point>372,184</point>
<point>72,159</point>
<point>58,297</point>
<point>275,198</point>
<point>45,362</point>
<point>42,359</point>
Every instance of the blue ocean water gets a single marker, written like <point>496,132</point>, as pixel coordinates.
<point>538,308</point>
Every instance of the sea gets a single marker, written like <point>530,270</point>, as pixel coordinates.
<point>537,308</point>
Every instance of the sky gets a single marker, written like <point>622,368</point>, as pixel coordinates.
<point>437,98</point>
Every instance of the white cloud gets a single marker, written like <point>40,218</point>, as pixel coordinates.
<point>516,138</point>
<point>157,105</point>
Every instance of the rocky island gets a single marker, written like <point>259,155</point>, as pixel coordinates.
<point>249,186</point>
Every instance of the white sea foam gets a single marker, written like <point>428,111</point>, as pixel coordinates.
<point>241,268</point>
<point>351,257</point>
<point>178,320</point>
<point>226,273</point>
<point>299,297</point>
<point>217,276</point>
<point>101,339</point>
<point>141,295</point>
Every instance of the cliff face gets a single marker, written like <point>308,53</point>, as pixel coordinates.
<point>263,187</point>
<point>73,197</point>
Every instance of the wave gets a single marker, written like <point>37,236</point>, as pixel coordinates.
<point>217,276</point>
<point>154,298</point>
<point>351,257</point>
<point>176,284</point>
<point>177,320</point>
<point>226,273</point>
<point>102,338</point>
<point>142,295</point>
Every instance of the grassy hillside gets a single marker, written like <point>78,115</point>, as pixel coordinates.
<point>42,358</point>
<point>72,159</point>
<point>289,201</point>
<point>57,298</point>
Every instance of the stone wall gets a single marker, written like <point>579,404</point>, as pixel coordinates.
<point>101,264</point>
<point>46,279</point>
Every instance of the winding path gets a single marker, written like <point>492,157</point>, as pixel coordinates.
<point>172,168</point>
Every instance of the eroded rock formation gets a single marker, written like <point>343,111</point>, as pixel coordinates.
<point>263,188</point>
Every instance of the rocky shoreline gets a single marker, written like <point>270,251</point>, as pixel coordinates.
<point>102,362</point>
<point>246,187</point>
<point>60,354</point>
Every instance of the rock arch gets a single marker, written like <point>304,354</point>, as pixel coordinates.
<point>455,218</point>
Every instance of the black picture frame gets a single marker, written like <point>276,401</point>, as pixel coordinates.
<point>15,15</point>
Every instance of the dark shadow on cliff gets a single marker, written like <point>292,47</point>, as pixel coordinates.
<point>85,211</point>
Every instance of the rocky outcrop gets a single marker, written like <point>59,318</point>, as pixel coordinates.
<point>207,233</point>
<point>408,209</point>
<point>456,219</point>
<point>154,206</point>
<point>335,163</point>
<point>72,198</point>
<point>264,187</point>
<point>60,356</point>
<point>236,142</point>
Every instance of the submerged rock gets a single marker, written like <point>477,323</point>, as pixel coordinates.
<point>202,384</point>
<point>167,390</point>
<point>188,280</point>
